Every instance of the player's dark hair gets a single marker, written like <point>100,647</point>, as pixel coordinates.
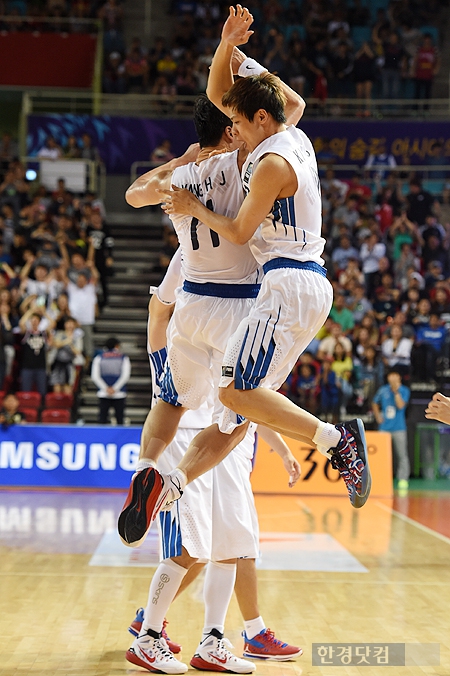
<point>209,121</point>
<point>250,94</point>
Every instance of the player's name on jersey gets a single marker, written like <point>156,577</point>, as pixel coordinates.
<point>200,189</point>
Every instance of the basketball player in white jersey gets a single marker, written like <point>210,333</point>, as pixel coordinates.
<point>187,537</point>
<point>220,285</point>
<point>281,220</point>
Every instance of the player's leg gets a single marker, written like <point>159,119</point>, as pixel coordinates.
<point>149,649</point>
<point>259,641</point>
<point>291,307</point>
<point>212,653</point>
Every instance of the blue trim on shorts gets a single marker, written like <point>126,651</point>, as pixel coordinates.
<point>158,359</point>
<point>277,263</point>
<point>249,376</point>
<point>222,290</point>
<point>170,534</point>
<point>168,392</point>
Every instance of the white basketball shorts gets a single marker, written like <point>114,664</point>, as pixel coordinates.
<point>196,340</point>
<point>216,516</point>
<point>291,307</point>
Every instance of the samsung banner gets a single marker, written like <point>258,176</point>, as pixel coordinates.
<point>63,455</point>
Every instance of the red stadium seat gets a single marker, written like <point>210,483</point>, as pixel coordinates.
<point>58,400</point>
<point>29,399</point>
<point>31,414</point>
<point>55,416</point>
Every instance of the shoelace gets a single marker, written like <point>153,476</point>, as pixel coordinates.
<point>222,650</point>
<point>162,650</point>
<point>271,638</point>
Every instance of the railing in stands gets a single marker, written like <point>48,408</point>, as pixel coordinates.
<point>153,105</point>
<point>426,172</point>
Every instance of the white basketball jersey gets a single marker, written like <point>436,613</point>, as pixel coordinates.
<point>206,257</point>
<point>293,228</point>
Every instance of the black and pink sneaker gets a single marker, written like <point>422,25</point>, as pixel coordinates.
<point>351,460</point>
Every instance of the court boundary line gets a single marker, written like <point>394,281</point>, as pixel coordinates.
<point>415,523</point>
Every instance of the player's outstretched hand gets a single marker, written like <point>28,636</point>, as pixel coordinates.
<point>439,408</point>
<point>178,201</point>
<point>236,29</point>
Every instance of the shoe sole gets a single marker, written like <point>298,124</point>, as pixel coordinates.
<point>358,500</point>
<point>202,665</point>
<point>277,658</point>
<point>138,511</point>
<point>131,656</point>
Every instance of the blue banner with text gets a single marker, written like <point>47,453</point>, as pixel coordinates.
<point>68,456</point>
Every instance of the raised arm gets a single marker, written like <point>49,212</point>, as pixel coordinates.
<point>295,104</point>
<point>236,31</point>
<point>142,192</point>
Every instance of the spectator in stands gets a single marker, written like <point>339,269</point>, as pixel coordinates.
<point>394,66</point>
<point>428,346</point>
<point>110,372</point>
<point>403,231</point>
<point>9,412</point>
<point>136,71</point>
<point>329,392</point>
<point>379,163</point>
<point>296,67</point>
<point>370,374</point>
<point>426,65</point>
<point>71,149</point>
<point>276,58</point>
<point>60,310</point>
<point>88,151</point>
<point>420,202</point>
<point>68,348</point>
<point>9,150</point>
<point>389,406</point>
<point>41,288</point>
<point>403,265</point>
<point>83,305</point>
<point>8,322</point>
<point>364,75</point>
<point>162,153</point>
<point>99,237</point>
<point>35,343</point>
<point>51,150</point>
<point>342,366</point>
<point>372,252</point>
<point>340,313</point>
<point>342,64</point>
<point>343,253</point>
<point>358,304</point>
<point>114,75</point>
<point>328,344</point>
<point>396,351</point>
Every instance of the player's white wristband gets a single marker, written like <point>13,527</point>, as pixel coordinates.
<point>251,67</point>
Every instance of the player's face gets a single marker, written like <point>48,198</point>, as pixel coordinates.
<point>245,130</point>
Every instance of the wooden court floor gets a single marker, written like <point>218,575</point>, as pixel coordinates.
<point>330,574</point>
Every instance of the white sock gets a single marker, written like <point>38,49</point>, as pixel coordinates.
<point>217,590</point>
<point>254,627</point>
<point>179,481</point>
<point>144,463</point>
<point>163,587</point>
<point>326,437</point>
